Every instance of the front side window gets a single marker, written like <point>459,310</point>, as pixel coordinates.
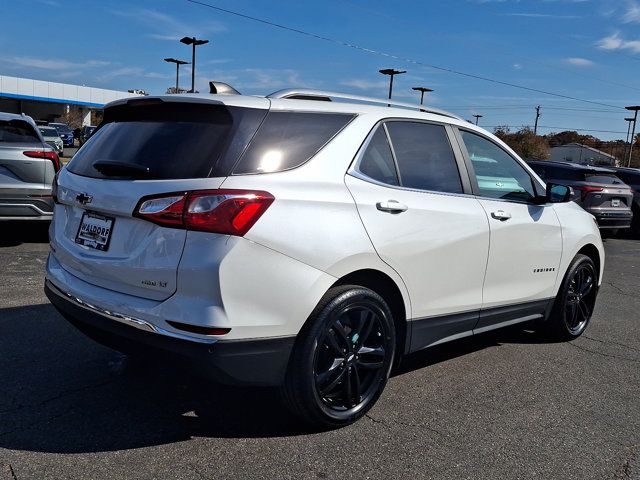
<point>377,161</point>
<point>425,158</point>
<point>498,174</point>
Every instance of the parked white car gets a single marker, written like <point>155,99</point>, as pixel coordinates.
<point>288,240</point>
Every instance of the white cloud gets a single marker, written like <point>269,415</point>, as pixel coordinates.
<point>541,15</point>
<point>632,12</point>
<point>616,42</point>
<point>579,62</point>
<point>363,84</point>
<point>167,27</point>
<point>51,64</point>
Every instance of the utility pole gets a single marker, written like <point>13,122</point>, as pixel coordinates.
<point>478,117</point>
<point>633,109</point>
<point>422,91</point>
<point>391,72</point>
<point>194,42</point>
<point>535,128</point>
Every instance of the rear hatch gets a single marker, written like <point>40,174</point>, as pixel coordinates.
<point>144,147</point>
<point>604,192</point>
<point>19,171</point>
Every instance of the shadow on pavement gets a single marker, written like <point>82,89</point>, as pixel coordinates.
<point>62,393</point>
<point>19,232</point>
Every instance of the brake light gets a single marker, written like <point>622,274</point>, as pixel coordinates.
<point>53,156</point>
<point>230,212</point>
<point>586,190</point>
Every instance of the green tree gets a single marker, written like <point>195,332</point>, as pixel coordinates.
<point>525,142</point>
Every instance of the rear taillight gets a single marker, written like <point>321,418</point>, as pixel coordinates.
<point>53,156</point>
<point>586,190</point>
<point>230,212</point>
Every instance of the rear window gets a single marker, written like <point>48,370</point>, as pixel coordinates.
<point>606,179</point>
<point>172,140</point>
<point>286,140</point>
<point>17,131</point>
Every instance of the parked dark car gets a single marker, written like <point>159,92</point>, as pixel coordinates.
<point>85,133</point>
<point>598,190</point>
<point>631,176</point>
<point>27,168</point>
<point>65,132</point>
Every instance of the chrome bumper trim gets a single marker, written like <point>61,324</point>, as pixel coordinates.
<point>126,319</point>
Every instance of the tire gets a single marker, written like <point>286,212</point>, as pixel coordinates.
<point>573,306</point>
<point>609,232</point>
<point>342,358</point>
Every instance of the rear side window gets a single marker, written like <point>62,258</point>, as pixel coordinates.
<point>286,140</point>
<point>425,158</point>
<point>172,140</point>
<point>17,131</point>
<point>377,161</point>
<point>629,178</point>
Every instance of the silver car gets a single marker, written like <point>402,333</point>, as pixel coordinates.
<point>27,168</point>
<point>51,136</point>
<point>598,190</point>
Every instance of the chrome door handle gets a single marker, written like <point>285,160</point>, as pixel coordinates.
<point>391,206</point>
<point>501,215</point>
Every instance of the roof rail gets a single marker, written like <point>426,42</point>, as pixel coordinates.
<point>311,94</point>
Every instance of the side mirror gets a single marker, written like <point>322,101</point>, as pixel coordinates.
<point>558,193</point>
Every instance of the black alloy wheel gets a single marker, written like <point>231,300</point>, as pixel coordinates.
<point>342,358</point>
<point>575,301</point>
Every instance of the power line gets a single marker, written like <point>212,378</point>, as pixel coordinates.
<point>557,128</point>
<point>397,57</point>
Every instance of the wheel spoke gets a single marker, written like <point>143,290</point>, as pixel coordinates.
<point>586,288</point>
<point>338,328</point>
<point>333,342</point>
<point>356,386</point>
<point>347,387</point>
<point>584,309</point>
<point>370,365</point>
<point>328,380</point>
<point>379,351</point>
<point>367,319</point>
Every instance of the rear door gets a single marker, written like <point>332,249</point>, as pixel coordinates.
<point>20,173</point>
<point>526,239</point>
<point>142,148</point>
<point>413,196</point>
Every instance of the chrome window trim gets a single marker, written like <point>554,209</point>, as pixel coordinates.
<point>355,172</point>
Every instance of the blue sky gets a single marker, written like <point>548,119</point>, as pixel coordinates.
<point>582,48</point>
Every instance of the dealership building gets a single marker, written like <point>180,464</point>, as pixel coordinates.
<point>48,101</point>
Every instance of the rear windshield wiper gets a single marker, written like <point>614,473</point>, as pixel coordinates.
<point>121,169</point>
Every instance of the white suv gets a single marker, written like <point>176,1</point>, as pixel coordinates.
<point>293,241</point>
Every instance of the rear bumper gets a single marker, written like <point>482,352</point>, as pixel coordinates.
<point>25,207</point>
<point>613,219</point>
<point>260,362</point>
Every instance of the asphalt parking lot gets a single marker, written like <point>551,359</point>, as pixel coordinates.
<point>502,405</point>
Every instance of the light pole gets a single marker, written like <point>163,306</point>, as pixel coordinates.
<point>478,117</point>
<point>422,91</point>
<point>391,72</point>
<point>194,42</point>
<point>628,120</point>
<point>178,63</point>
<point>634,109</point>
